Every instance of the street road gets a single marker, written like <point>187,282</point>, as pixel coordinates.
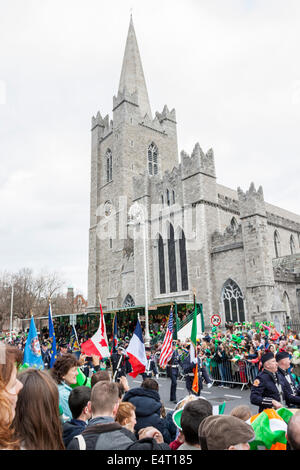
<point>216,395</point>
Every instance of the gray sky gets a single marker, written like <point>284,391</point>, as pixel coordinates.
<point>230,68</point>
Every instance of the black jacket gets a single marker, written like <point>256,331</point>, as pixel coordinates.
<point>266,387</point>
<point>72,428</point>
<point>291,392</point>
<point>148,409</point>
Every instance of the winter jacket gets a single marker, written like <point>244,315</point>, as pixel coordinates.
<point>148,409</point>
<point>64,392</point>
<point>103,433</point>
<point>71,429</point>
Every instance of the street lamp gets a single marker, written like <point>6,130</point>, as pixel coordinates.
<point>137,217</point>
<point>11,312</point>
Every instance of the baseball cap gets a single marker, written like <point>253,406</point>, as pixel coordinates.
<point>219,432</point>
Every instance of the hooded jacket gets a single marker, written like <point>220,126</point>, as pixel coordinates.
<point>148,409</point>
<point>71,429</point>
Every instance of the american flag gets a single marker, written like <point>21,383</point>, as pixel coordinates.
<point>166,350</point>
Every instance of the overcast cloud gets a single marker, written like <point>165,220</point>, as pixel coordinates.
<point>230,69</point>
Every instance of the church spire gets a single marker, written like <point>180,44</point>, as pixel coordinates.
<point>132,75</point>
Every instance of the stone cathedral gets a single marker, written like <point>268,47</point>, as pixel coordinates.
<point>238,253</point>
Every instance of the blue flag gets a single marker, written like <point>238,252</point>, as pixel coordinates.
<point>115,340</point>
<point>52,339</point>
<point>74,345</point>
<point>32,351</point>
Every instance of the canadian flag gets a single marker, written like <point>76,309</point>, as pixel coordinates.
<point>97,344</point>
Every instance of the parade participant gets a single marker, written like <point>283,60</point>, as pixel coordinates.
<point>78,401</point>
<point>64,372</point>
<point>291,391</point>
<point>188,370</point>
<point>173,372</point>
<point>36,423</point>
<point>46,355</point>
<point>10,387</point>
<point>120,364</point>
<point>63,349</point>
<point>267,389</point>
<point>151,368</point>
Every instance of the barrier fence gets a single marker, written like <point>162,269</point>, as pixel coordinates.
<point>239,372</point>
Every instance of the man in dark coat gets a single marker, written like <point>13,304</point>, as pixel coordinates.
<point>146,399</point>
<point>291,390</point>
<point>173,372</point>
<point>267,390</point>
<point>120,364</point>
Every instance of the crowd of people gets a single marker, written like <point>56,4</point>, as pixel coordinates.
<point>84,403</point>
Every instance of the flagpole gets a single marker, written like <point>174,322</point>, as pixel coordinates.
<point>11,311</point>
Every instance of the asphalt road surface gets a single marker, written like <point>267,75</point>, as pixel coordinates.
<point>216,395</point>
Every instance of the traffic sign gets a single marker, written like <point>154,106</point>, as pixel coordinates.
<point>215,320</point>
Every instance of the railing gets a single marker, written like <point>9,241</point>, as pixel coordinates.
<point>230,372</point>
<point>292,325</point>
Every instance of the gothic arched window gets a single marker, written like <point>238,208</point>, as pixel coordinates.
<point>161,264</point>
<point>292,245</point>
<point>152,159</point>
<point>172,260</point>
<point>168,197</point>
<point>234,224</point>
<point>277,244</point>
<point>183,262</point>
<point>108,156</point>
<point>233,302</point>
<point>128,302</point>
<point>173,196</point>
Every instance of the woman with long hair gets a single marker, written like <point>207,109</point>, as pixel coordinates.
<point>36,423</point>
<point>10,387</point>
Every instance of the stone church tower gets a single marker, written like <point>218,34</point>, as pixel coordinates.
<point>238,253</point>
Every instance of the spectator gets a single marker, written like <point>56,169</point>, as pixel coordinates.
<point>293,432</point>
<point>102,432</point>
<point>65,374</point>
<point>242,411</point>
<point>193,414</point>
<point>36,423</point>
<point>101,375</point>
<point>223,432</point>
<point>146,399</point>
<point>78,404</point>
<point>10,387</point>
<point>126,416</point>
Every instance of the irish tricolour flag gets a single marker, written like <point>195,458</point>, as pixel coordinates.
<point>136,352</point>
<point>270,428</point>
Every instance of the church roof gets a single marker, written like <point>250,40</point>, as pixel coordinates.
<point>132,75</point>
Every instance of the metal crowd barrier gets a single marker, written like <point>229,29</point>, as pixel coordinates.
<point>231,372</point>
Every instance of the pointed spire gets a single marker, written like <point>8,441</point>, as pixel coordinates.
<point>132,75</point>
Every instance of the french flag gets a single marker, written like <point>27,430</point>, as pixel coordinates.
<point>98,344</point>
<point>136,352</point>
